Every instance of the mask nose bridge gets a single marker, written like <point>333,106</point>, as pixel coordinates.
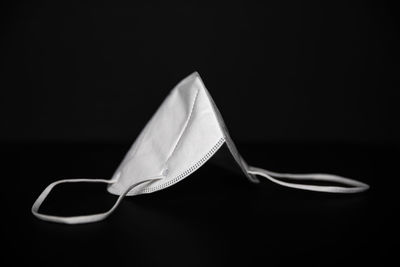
<point>228,140</point>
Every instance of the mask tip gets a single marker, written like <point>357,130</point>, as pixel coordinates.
<point>195,74</point>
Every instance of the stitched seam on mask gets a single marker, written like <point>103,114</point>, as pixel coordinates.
<point>184,127</point>
<point>187,172</point>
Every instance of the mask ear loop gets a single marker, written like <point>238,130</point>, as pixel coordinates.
<point>354,186</point>
<point>83,218</point>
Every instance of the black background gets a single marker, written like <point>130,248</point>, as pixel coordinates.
<point>301,71</point>
<point>303,86</point>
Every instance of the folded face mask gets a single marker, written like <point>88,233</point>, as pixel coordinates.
<point>183,134</point>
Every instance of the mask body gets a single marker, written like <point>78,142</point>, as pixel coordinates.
<point>186,131</point>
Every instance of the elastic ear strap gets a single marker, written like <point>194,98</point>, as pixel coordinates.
<point>83,218</point>
<point>355,186</point>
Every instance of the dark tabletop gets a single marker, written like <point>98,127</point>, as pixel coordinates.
<point>215,217</point>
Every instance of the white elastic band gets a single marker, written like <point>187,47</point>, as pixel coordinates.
<point>355,186</point>
<point>83,218</point>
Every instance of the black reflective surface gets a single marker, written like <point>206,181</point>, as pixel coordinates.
<point>215,217</point>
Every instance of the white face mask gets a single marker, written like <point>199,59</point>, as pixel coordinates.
<point>182,135</point>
